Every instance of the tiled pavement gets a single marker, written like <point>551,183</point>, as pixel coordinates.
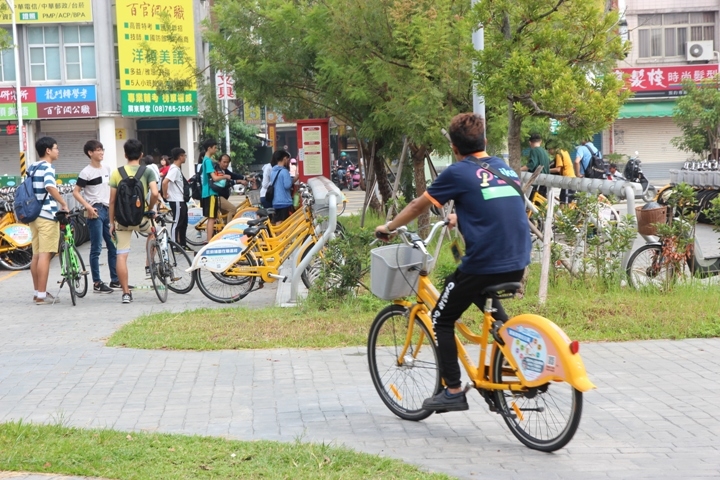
<point>654,414</point>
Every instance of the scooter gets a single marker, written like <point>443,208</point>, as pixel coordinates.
<point>336,179</point>
<point>633,173</point>
<point>352,177</point>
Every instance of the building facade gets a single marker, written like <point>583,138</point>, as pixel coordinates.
<point>671,41</point>
<point>85,75</point>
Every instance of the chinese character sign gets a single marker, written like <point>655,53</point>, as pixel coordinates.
<point>661,79</point>
<point>47,12</point>
<point>71,101</point>
<point>225,86</point>
<point>140,24</point>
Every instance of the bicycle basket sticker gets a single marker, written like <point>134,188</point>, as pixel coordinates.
<point>529,351</point>
<point>21,235</point>
<point>219,259</point>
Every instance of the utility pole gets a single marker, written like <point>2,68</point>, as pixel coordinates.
<point>18,97</point>
<point>478,39</point>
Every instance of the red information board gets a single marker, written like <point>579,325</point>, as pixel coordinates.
<point>314,148</point>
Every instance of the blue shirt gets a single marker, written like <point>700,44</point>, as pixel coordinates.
<point>584,151</point>
<point>491,216</point>
<point>43,179</point>
<point>207,169</point>
<point>281,195</point>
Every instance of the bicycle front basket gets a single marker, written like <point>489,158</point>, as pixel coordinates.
<point>395,270</point>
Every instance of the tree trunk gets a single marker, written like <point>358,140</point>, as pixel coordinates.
<point>418,161</point>
<point>514,140</point>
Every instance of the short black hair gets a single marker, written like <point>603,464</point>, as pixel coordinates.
<point>148,160</point>
<point>535,137</point>
<point>209,143</point>
<point>176,152</point>
<point>133,149</point>
<point>278,156</point>
<point>43,145</point>
<point>467,133</point>
<point>91,146</point>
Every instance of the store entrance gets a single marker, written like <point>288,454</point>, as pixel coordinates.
<point>158,136</point>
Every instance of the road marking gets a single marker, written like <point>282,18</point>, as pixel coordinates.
<point>11,274</point>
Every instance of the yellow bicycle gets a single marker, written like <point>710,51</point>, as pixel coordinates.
<point>529,371</point>
<point>15,238</point>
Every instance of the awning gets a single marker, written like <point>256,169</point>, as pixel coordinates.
<point>646,109</point>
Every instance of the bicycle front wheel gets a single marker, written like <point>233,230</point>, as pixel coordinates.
<point>67,271</point>
<point>180,280</point>
<point>80,281</point>
<point>646,268</point>
<point>226,287</point>
<point>543,418</point>
<point>195,234</point>
<point>158,270</point>
<point>403,363</point>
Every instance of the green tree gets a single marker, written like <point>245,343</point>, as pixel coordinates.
<point>551,59</point>
<point>386,67</point>
<point>6,40</point>
<point>698,116</point>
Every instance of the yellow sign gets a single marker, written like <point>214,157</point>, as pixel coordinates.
<point>47,12</point>
<point>253,115</point>
<point>145,40</point>
<point>120,134</point>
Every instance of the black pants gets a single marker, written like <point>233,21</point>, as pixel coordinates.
<point>461,290</point>
<point>179,228</point>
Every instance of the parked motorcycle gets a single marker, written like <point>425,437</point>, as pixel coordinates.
<point>352,177</point>
<point>633,173</point>
<point>337,179</point>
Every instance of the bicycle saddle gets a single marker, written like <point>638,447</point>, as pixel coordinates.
<point>503,290</point>
<point>265,212</point>
<point>256,221</point>
<point>251,231</point>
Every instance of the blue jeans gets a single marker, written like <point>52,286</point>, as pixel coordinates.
<point>99,230</point>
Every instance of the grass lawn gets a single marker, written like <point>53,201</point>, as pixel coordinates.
<point>584,312</point>
<point>119,455</point>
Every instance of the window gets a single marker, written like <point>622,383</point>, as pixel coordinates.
<point>73,47</point>
<point>666,35</point>
<point>7,65</point>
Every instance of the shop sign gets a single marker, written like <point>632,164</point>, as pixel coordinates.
<point>44,103</point>
<point>37,12</point>
<point>140,25</point>
<point>664,79</point>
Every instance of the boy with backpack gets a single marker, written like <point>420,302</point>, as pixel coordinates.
<point>589,162</point>
<point>177,192</point>
<point>128,188</point>
<point>44,228</point>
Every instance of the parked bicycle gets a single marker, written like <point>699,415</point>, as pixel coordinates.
<point>534,377</point>
<point>167,260</point>
<point>72,267</point>
<point>15,237</point>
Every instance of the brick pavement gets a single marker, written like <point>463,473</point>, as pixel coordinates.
<point>654,414</point>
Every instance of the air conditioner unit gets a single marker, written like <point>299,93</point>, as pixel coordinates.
<point>697,51</point>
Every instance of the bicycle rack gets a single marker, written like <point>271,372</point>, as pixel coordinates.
<point>326,195</point>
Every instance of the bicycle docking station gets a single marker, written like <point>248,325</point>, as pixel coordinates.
<point>327,197</point>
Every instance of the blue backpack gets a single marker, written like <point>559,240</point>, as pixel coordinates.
<point>27,206</point>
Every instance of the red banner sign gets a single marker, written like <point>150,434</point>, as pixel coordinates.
<point>661,79</point>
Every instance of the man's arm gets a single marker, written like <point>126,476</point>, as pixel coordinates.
<point>165,183</point>
<point>111,213</point>
<point>53,191</point>
<point>578,159</point>
<point>416,208</point>
<point>92,213</point>
<point>153,194</point>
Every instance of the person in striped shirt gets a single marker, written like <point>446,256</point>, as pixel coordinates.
<point>45,229</point>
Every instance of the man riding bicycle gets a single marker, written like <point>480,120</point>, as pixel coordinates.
<point>491,216</point>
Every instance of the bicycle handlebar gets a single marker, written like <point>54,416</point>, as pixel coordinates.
<point>412,238</point>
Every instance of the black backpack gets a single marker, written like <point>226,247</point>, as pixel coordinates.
<point>187,188</point>
<point>196,184</point>
<point>130,198</point>
<point>270,192</point>
<point>596,166</point>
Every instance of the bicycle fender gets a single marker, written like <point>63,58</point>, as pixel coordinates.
<point>540,352</point>
<point>233,231</point>
<point>17,234</point>
<point>217,256</point>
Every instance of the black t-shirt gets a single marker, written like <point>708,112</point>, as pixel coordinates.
<point>491,216</point>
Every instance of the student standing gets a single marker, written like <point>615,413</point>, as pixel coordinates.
<point>45,229</point>
<point>210,203</point>
<point>92,190</point>
<point>173,188</point>
<point>133,151</point>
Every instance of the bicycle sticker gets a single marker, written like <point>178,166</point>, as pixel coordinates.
<point>21,235</point>
<point>529,351</point>
<point>194,216</point>
<point>220,258</point>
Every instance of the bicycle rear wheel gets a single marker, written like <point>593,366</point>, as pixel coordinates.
<point>158,270</point>
<point>66,267</point>
<point>80,281</point>
<point>403,382</point>
<point>180,280</point>
<point>646,268</point>
<point>543,418</point>
<point>225,287</point>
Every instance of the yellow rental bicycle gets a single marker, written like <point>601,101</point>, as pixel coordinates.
<point>15,238</point>
<point>529,372</point>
